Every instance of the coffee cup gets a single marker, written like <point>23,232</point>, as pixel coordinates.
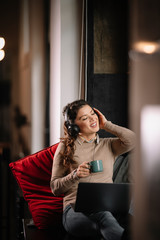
<point>96,166</point>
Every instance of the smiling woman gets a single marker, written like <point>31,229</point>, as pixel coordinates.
<point>81,145</point>
<point>87,120</point>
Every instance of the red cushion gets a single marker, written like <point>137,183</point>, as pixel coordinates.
<point>33,175</point>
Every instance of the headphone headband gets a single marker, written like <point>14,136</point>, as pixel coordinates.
<point>66,115</point>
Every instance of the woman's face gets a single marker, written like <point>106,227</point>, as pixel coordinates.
<point>88,122</point>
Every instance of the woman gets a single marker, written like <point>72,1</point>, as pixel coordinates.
<point>80,146</point>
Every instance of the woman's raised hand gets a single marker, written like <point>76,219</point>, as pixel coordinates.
<point>83,170</point>
<point>102,118</point>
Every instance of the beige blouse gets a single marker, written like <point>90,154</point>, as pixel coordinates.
<point>105,149</point>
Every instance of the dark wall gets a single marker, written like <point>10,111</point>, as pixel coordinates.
<point>107,59</point>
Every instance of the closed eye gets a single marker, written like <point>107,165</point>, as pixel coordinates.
<point>83,119</point>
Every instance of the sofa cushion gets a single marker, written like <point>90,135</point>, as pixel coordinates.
<point>121,169</point>
<point>33,175</point>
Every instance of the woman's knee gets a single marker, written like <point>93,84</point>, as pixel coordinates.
<point>78,224</point>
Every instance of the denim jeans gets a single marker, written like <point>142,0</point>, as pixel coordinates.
<point>91,225</point>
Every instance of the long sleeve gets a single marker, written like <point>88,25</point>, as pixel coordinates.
<point>61,183</point>
<point>125,140</point>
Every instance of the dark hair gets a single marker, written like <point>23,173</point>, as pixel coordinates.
<point>71,109</point>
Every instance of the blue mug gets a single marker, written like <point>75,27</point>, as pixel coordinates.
<point>96,166</point>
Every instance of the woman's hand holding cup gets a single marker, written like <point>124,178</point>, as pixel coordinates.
<point>83,170</point>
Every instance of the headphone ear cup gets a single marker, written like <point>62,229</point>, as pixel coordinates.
<point>73,130</point>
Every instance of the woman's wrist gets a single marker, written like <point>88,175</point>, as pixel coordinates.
<point>75,175</point>
<point>104,125</point>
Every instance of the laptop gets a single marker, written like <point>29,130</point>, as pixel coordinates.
<point>95,197</point>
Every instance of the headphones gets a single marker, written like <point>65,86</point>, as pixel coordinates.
<point>72,129</point>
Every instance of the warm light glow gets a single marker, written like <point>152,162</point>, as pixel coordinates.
<point>2,42</point>
<point>150,137</point>
<point>147,47</point>
<point>2,54</point>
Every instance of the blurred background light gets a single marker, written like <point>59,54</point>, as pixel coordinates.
<point>2,42</point>
<point>2,54</point>
<point>147,47</point>
<point>150,138</point>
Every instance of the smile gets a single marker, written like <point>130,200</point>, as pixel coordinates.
<point>93,124</point>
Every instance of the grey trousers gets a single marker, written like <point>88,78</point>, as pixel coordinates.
<point>91,225</point>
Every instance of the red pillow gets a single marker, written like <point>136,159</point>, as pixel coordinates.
<point>33,175</point>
